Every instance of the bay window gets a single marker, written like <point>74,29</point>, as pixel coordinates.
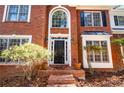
<point>101,58</point>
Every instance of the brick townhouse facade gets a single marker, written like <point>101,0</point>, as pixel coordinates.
<point>65,31</point>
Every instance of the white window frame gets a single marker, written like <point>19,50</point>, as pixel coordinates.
<point>15,37</point>
<point>97,38</point>
<point>66,61</point>
<point>101,23</point>
<point>67,25</point>
<point>122,52</point>
<point>118,20</point>
<point>59,34</point>
<point>5,14</point>
<point>66,20</point>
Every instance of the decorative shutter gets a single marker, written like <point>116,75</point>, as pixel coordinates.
<point>104,20</point>
<point>116,20</point>
<point>82,19</point>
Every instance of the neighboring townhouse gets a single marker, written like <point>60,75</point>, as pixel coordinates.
<point>117,28</point>
<point>64,30</point>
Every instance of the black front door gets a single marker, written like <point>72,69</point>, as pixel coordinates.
<point>59,52</point>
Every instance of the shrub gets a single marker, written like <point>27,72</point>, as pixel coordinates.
<point>30,55</point>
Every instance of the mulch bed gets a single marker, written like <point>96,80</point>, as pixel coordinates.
<point>103,79</point>
<point>19,81</point>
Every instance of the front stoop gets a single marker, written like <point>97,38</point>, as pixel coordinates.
<point>80,74</point>
<point>62,85</point>
<point>61,81</point>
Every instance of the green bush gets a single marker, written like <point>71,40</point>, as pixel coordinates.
<point>31,55</point>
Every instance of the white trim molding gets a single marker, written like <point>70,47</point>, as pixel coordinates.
<point>97,38</point>
<point>92,19</point>
<point>50,35</point>
<point>5,14</point>
<point>17,36</point>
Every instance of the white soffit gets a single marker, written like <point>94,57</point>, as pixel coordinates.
<point>93,7</point>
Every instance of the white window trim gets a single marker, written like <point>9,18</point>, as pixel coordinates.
<point>122,52</point>
<point>101,22</point>
<point>5,15</point>
<point>17,36</point>
<point>118,21</point>
<point>97,38</point>
<point>66,61</point>
<point>66,15</point>
<point>68,25</point>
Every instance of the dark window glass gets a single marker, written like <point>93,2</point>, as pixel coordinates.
<point>59,19</point>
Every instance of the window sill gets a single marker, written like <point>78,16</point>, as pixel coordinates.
<point>16,22</point>
<point>123,60</point>
<point>92,26</point>
<point>60,27</point>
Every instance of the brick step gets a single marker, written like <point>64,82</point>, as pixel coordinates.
<point>61,79</point>
<point>62,85</point>
<point>75,73</point>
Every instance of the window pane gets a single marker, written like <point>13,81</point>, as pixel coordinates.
<point>22,17</point>
<point>97,53</point>
<point>12,17</point>
<point>121,20</point>
<point>105,51</point>
<point>59,19</point>
<point>96,19</point>
<point>17,12</point>
<point>98,56</point>
<point>24,9</point>
<point>23,13</point>
<point>12,12</point>
<point>3,45</point>
<point>88,19</point>
<point>25,41</point>
<point>90,54</point>
<point>13,42</point>
<point>13,9</point>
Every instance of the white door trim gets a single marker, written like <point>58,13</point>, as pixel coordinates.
<point>66,47</point>
<point>60,35</point>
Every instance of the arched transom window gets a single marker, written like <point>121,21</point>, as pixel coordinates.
<point>59,19</point>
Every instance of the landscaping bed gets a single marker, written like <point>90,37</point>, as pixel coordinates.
<point>99,79</point>
<point>103,79</point>
<point>19,81</point>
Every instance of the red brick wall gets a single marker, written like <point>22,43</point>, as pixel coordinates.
<point>74,42</point>
<point>59,30</point>
<point>83,28</point>
<point>36,26</point>
<point>8,70</point>
<point>116,54</point>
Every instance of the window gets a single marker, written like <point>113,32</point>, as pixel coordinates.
<point>17,13</point>
<point>119,20</point>
<point>6,42</point>
<point>59,19</point>
<point>99,57</point>
<point>122,51</point>
<point>92,19</point>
